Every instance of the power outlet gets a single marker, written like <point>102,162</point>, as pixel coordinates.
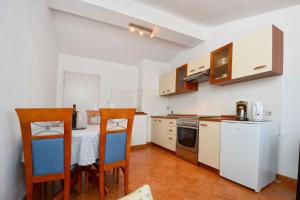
<point>268,113</point>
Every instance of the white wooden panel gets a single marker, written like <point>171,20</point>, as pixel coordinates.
<point>191,68</point>
<point>252,51</point>
<point>209,143</point>
<point>139,130</point>
<point>171,81</point>
<point>200,64</point>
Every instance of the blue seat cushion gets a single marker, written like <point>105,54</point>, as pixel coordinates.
<point>47,156</point>
<point>115,148</point>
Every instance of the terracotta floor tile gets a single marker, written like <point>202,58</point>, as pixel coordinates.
<point>172,178</point>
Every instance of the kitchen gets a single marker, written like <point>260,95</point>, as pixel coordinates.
<point>196,89</point>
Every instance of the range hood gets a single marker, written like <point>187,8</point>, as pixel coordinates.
<point>198,78</point>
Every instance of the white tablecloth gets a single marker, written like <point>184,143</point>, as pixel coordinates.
<point>85,145</point>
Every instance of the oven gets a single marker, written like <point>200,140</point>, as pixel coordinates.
<point>187,139</point>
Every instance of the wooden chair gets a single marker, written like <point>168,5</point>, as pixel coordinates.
<point>114,145</point>
<point>46,157</point>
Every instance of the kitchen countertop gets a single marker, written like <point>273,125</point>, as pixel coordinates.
<point>174,116</point>
<point>202,118</point>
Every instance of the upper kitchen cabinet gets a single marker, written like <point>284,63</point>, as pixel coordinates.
<point>258,55</point>
<point>183,86</point>
<point>221,65</point>
<point>198,65</point>
<point>167,83</point>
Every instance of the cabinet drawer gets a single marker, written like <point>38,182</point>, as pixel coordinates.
<point>171,130</point>
<point>171,142</point>
<point>170,122</point>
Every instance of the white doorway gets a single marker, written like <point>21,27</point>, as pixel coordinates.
<point>81,89</point>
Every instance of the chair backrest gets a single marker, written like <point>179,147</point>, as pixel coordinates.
<point>114,145</point>
<point>46,157</point>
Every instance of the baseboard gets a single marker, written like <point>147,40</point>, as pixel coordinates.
<point>286,179</point>
<point>209,168</point>
<point>140,146</point>
<point>173,152</point>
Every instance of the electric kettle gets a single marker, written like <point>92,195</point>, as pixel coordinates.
<point>257,111</point>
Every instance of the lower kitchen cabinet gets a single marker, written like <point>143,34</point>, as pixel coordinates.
<point>163,132</point>
<point>209,143</point>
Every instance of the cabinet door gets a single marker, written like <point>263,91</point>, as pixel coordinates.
<point>171,82</point>
<point>162,84</point>
<point>191,67</point>
<point>209,143</point>
<point>156,130</point>
<point>198,65</point>
<point>253,54</point>
<point>221,65</point>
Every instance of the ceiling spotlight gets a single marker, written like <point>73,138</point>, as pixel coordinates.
<point>141,30</point>
<point>131,28</point>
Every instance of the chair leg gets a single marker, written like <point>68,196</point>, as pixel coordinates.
<point>79,182</point>
<point>86,182</point>
<point>117,174</point>
<point>67,186</point>
<point>126,179</point>
<point>101,185</point>
<point>29,190</point>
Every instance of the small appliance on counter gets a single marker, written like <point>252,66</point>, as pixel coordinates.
<point>257,111</point>
<point>241,111</point>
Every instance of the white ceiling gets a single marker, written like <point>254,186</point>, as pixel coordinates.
<point>121,13</point>
<point>84,37</point>
<point>214,12</point>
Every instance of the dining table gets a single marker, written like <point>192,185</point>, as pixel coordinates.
<point>85,145</point>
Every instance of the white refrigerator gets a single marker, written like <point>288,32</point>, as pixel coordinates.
<point>249,152</point>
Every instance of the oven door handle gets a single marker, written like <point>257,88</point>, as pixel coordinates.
<point>189,127</point>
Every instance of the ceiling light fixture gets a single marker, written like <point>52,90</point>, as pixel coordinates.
<point>141,30</point>
<point>132,29</point>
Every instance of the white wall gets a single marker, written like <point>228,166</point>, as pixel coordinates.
<point>150,101</point>
<point>118,83</point>
<point>27,79</point>
<point>279,94</point>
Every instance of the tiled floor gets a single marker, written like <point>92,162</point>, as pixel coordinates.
<point>173,178</point>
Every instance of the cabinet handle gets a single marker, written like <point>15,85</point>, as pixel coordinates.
<point>260,67</point>
<point>203,125</point>
<point>159,120</point>
<point>168,90</point>
<point>201,67</point>
<point>170,122</point>
<point>163,92</point>
<point>170,138</point>
<point>170,130</point>
<point>155,120</point>
<point>192,70</point>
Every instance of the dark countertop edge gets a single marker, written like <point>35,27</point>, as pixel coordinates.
<point>140,113</point>
<point>218,119</point>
